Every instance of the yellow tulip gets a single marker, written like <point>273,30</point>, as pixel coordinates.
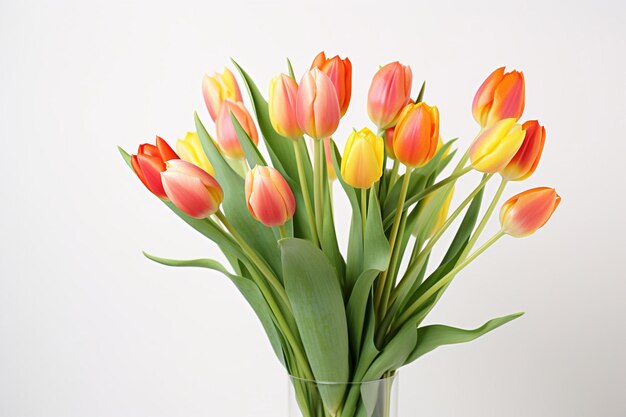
<point>190,149</point>
<point>494,148</point>
<point>362,162</point>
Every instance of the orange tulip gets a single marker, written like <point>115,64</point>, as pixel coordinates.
<point>282,106</point>
<point>317,105</point>
<point>150,162</point>
<point>501,96</point>
<point>227,138</point>
<point>389,142</point>
<point>416,135</point>
<point>340,73</point>
<point>527,157</point>
<point>389,92</point>
<point>193,190</point>
<point>269,198</point>
<point>218,88</point>
<point>523,214</point>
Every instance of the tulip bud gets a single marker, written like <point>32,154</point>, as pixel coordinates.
<point>438,200</point>
<point>340,73</point>
<point>495,146</point>
<point>527,157</point>
<point>501,96</point>
<point>362,161</point>
<point>282,106</point>
<point>523,214</point>
<point>389,92</point>
<point>416,135</point>
<point>190,150</point>
<point>227,138</point>
<point>332,175</point>
<point>150,162</point>
<point>389,142</point>
<point>317,105</point>
<point>218,88</point>
<point>191,189</point>
<point>269,197</point>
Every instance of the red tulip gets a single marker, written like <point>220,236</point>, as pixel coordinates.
<point>150,162</point>
<point>527,157</point>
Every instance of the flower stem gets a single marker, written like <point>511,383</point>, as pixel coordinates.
<point>318,177</point>
<point>305,191</point>
<point>363,209</point>
<point>282,232</point>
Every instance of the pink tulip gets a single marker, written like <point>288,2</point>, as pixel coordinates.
<point>269,198</point>
<point>389,92</point>
<point>317,105</point>
<point>227,138</point>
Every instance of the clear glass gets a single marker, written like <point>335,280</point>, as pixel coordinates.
<point>330,399</point>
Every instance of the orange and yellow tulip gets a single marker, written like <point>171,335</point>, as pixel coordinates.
<point>227,138</point>
<point>389,142</point>
<point>340,73</point>
<point>217,88</point>
<point>494,148</point>
<point>282,106</point>
<point>501,96</point>
<point>523,214</point>
<point>190,149</point>
<point>527,157</point>
<point>150,162</point>
<point>317,105</point>
<point>193,190</point>
<point>389,92</point>
<point>362,161</point>
<point>416,135</point>
<point>441,197</point>
<point>269,198</point>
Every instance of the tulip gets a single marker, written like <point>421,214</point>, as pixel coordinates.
<point>527,157</point>
<point>332,175</point>
<point>389,92</point>
<point>494,148</point>
<point>282,106</point>
<point>389,142</point>
<point>441,198</point>
<point>501,96</point>
<point>523,214</point>
<point>362,161</point>
<point>218,88</point>
<point>269,197</point>
<point>340,73</point>
<point>416,135</point>
<point>190,150</point>
<point>150,162</point>
<point>191,189</point>
<point>317,105</point>
<point>227,138</point>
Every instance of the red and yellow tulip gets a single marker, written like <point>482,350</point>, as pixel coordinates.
<point>190,149</point>
<point>217,88</point>
<point>523,214</point>
<point>317,105</point>
<point>340,73</point>
<point>416,136</point>
<point>527,157</point>
<point>282,106</point>
<point>362,161</point>
<point>227,138</point>
<point>269,198</point>
<point>501,96</point>
<point>494,148</point>
<point>389,92</point>
<point>150,162</point>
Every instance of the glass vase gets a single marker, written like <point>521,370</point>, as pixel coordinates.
<point>377,398</point>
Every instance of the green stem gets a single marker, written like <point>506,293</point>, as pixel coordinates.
<point>282,232</point>
<point>318,177</point>
<point>363,209</point>
<point>305,191</point>
<point>393,175</point>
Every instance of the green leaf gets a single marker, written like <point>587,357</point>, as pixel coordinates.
<point>316,299</point>
<point>395,353</point>
<point>328,240</point>
<point>430,338</point>
<point>375,246</point>
<point>251,151</point>
<point>420,95</point>
<point>290,69</point>
<point>357,308</point>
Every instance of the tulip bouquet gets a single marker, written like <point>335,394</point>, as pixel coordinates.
<point>341,317</point>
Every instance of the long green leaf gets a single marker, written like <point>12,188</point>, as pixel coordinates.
<point>394,354</point>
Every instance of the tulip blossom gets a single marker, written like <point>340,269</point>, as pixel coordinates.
<point>527,157</point>
<point>523,214</point>
<point>441,200</point>
<point>282,106</point>
<point>501,96</point>
<point>150,162</point>
<point>227,138</point>
<point>332,175</point>
<point>416,135</point>
<point>389,92</point>
<point>317,105</point>
<point>340,73</point>
<point>218,88</point>
<point>269,198</point>
<point>494,148</point>
<point>190,150</point>
<point>191,189</point>
<point>362,161</point>
<point>389,142</point>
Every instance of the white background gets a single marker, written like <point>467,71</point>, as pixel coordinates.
<point>88,327</point>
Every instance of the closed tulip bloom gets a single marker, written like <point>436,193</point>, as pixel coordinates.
<point>362,161</point>
<point>340,73</point>
<point>282,106</point>
<point>217,88</point>
<point>494,148</point>
<point>527,157</point>
<point>150,162</point>
<point>332,175</point>
<point>193,190</point>
<point>416,135</point>
<point>389,92</point>
<point>523,214</point>
<point>501,96</point>
<point>269,198</point>
<point>317,105</point>
<point>389,142</point>
<point>227,138</point>
<point>190,150</point>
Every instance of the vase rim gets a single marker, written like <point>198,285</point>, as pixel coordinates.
<point>369,381</point>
